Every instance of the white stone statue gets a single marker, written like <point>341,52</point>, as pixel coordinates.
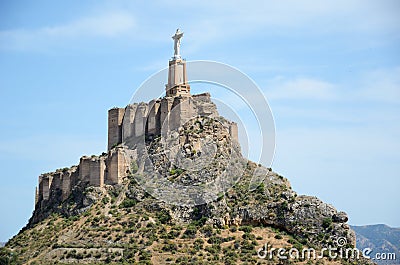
<point>177,43</point>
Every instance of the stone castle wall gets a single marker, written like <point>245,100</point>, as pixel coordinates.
<point>92,171</point>
<point>132,122</point>
<point>161,115</point>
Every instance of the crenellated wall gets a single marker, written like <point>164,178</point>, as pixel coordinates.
<point>159,116</point>
<point>92,171</point>
<point>136,120</point>
<point>60,180</point>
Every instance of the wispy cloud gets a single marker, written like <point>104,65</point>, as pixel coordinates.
<point>371,97</point>
<point>379,86</point>
<point>107,25</point>
<point>244,17</point>
<point>215,21</point>
<point>300,88</point>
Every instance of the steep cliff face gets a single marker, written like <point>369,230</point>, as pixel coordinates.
<point>188,196</point>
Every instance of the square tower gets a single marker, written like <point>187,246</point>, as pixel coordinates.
<point>115,117</point>
<point>177,77</point>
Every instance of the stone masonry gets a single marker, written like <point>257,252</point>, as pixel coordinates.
<point>136,121</point>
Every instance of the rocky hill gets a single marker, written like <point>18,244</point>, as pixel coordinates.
<point>129,223</point>
<point>380,239</point>
<point>174,188</point>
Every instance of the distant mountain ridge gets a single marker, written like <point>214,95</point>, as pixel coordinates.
<point>381,239</point>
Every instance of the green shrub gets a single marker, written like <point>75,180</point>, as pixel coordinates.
<point>215,240</point>
<point>190,232</point>
<point>207,230</point>
<point>74,218</point>
<point>261,188</point>
<point>145,256</point>
<point>7,256</point>
<point>163,216</point>
<point>127,203</point>
<point>105,200</point>
<point>246,229</point>
<point>134,167</point>
<point>248,236</point>
<point>198,244</point>
<point>177,171</point>
<point>173,234</point>
<point>169,246</point>
<point>199,223</point>
<point>327,222</point>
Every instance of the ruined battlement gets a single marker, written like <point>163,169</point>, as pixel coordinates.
<point>138,121</point>
<point>95,171</point>
<point>151,119</point>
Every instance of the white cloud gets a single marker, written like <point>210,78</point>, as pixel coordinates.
<point>378,86</point>
<point>300,88</point>
<point>107,25</point>
<point>241,17</point>
<point>218,20</point>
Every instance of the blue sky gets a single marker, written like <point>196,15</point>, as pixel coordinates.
<point>329,69</point>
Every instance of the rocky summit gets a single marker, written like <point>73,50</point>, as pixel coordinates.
<point>131,222</point>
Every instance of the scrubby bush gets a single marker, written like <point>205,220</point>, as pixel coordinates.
<point>190,232</point>
<point>163,216</point>
<point>246,229</point>
<point>327,222</point>
<point>134,167</point>
<point>127,203</point>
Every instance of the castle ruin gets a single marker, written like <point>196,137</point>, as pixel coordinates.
<point>135,121</point>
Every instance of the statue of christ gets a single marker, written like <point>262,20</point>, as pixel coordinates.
<point>177,43</point>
